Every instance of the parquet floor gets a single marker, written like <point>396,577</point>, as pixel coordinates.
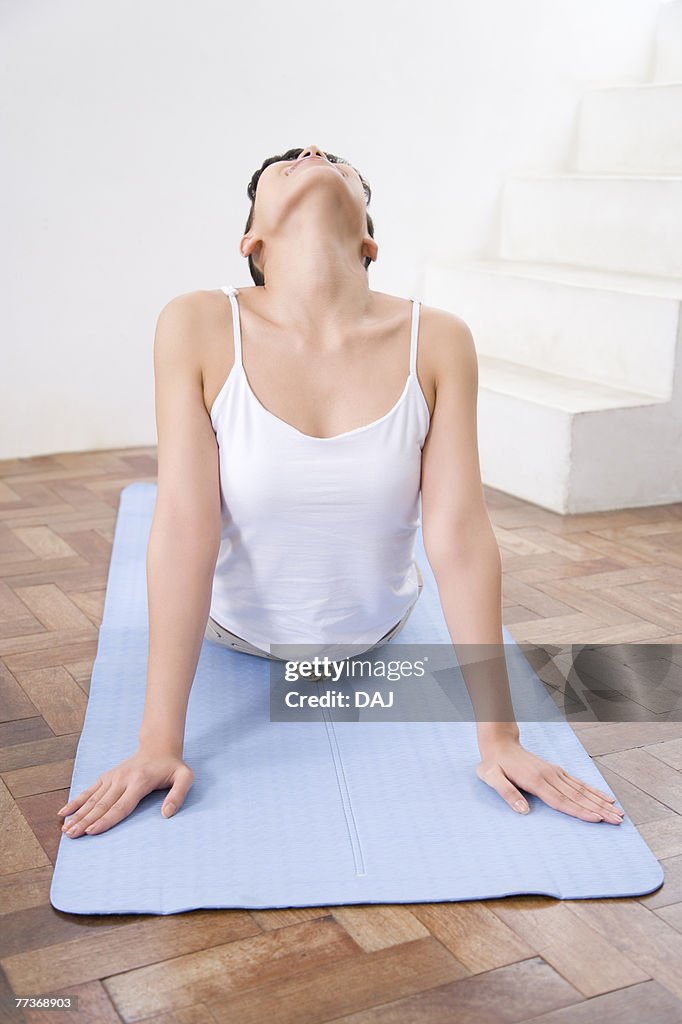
<point>607,577</point>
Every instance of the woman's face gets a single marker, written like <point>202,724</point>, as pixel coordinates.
<point>284,183</point>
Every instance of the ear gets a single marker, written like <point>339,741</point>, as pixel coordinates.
<point>369,248</point>
<point>248,246</point>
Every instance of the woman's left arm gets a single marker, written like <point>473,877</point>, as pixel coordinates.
<point>462,550</point>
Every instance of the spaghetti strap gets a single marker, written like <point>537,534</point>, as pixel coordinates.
<point>232,293</point>
<point>416,304</point>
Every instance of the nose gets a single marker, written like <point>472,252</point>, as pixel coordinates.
<point>311,151</point>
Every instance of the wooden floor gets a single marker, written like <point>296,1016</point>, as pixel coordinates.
<point>607,578</point>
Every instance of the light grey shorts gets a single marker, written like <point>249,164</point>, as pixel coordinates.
<point>220,635</point>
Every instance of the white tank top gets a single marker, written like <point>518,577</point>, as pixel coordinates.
<point>318,533</point>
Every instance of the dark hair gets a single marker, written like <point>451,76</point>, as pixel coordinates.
<point>292,154</point>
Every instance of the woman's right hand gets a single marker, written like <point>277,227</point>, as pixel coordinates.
<point>119,790</point>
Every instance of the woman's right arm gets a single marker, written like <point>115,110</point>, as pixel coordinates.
<point>185,533</point>
<point>183,547</point>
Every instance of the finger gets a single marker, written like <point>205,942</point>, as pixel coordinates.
<point>99,809</point>
<point>496,778</point>
<point>120,809</point>
<point>597,792</point>
<point>76,815</point>
<point>563,801</point>
<point>97,800</point>
<point>74,803</point>
<point>181,786</point>
<point>587,797</point>
<point>584,798</point>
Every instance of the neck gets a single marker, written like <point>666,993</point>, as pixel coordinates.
<point>315,277</point>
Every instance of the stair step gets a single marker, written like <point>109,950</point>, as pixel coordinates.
<point>573,274</point>
<point>585,460</point>
<point>620,222</point>
<point>668,59</point>
<point>572,447</point>
<point>565,394</point>
<point>547,433</point>
<point>611,328</point>
<point>631,129</point>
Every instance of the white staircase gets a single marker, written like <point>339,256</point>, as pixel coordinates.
<point>577,319</point>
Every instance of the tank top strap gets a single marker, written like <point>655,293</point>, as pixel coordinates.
<point>232,293</point>
<point>416,305</point>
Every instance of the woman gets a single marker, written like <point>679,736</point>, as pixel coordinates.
<point>284,405</point>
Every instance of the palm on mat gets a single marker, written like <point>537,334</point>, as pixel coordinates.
<point>508,765</point>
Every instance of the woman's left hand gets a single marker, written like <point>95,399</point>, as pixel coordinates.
<point>507,762</point>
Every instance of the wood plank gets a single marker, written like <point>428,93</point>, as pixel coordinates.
<point>474,934</point>
<point>282,917</point>
<point>612,736</point>
<point>48,649</point>
<point>584,957</point>
<point>639,934</point>
<point>244,964</point>
<point>668,751</point>
<point>57,696</point>
<point>147,940</point>
<point>23,731</point>
<point>14,702</point>
<point>638,805</point>
<point>663,836</point>
<point>378,926</point>
<point>648,773</point>
<point>671,890</point>
<point>672,915</point>
<point>20,890</point>
<point>52,607</point>
<point>504,996</point>
<point>39,752</point>
<point>19,850</point>
<point>39,779</point>
<point>42,925</point>
<point>44,542</point>
<point>646,1003</point>
<point>340,988</point>
<point>40,811</point>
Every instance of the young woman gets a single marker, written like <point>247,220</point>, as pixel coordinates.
<point>300,420</point>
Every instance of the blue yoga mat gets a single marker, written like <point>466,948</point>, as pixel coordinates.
<point>323,812</point>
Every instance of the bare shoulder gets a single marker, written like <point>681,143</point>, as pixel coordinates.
<point>442,333</point>
<point>188,308</point>
<point>447,351</point>
<point>447,337</point>
<point>184,324</point>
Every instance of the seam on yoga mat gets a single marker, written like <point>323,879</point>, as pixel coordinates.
<point>344,789</point>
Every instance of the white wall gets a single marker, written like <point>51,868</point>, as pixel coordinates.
<point>130,131</point>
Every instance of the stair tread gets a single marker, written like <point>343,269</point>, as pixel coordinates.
<point>594,176</point>
<point>553,390</point>
<point>572,274</point>
<point>652,85</point>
